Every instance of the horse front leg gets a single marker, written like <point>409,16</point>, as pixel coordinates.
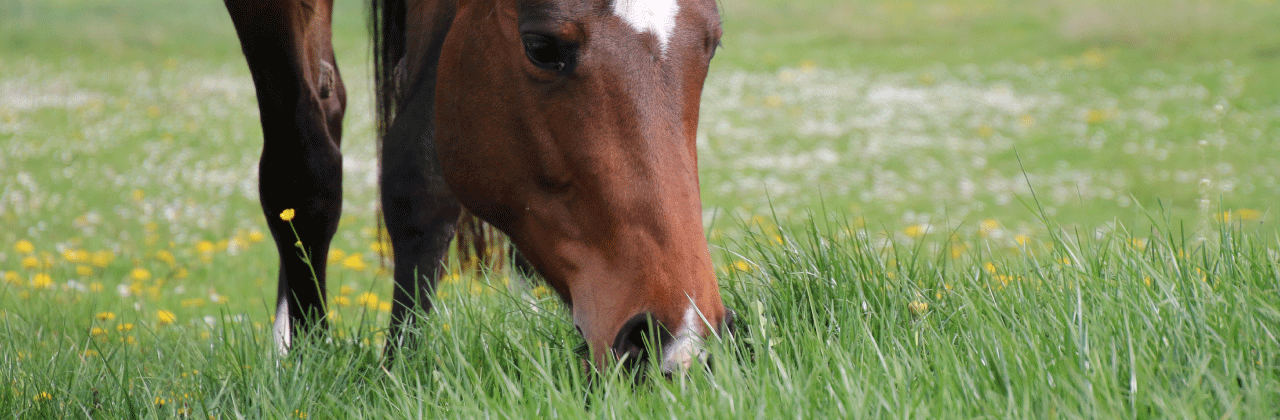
<point>420,211</point>
<point>301,101</point>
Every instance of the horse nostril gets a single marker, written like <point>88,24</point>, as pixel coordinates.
<point>637,337</point>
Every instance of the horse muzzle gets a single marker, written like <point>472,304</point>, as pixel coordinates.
<point>677,351</point>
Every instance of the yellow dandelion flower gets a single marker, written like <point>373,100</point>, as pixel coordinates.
<point>12,278</point>
<point>342,300</point>
<point>140,274</point>
<point>989,267</point>
<point>96,331</point>
<point>84,270</point>
<point>41,281</point>
<point>336,255</point>
<point>181,273</point>
<point>354,262</point>
<point>241,240</point>
<point>125,327</point>
<point>808,66</point>
<point>742,265</point>
<point>103,258</point>
<point>30,262</point>
<point>1094,58</point>
<point>914,231</point>
<point>160,401</point>
<point>256,236</point>
<point>379,247</point>
<point>129,339</point>
<point>985,131</point>
<point>988,225</point>
<point>24,246</point>
<point>205,247</point>
<point>384,306</point>
<point>368,300</point>
<point>1022,239</point>
<point>346,290</point>
<point>917,307</point>
<point>452,278</point>
<point>88,353</point>
<point>165,317</point>
<point>287,215</point>
<point>43,396</point>
<point>300,414</point>
<point>193,303</point>
<point>1249,214</point>
<point>139,194</point>
<point>105,316</point>
<point>1138,243</point>
<point>166,256</point>
<point>75,256</point>
<point>1026,120</point>
<point>95,287</point>
<point>1097,116</point>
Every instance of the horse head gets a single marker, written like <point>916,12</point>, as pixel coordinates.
<point>570,125</point>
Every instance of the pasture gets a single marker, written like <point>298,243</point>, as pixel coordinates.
<point>987,208</point>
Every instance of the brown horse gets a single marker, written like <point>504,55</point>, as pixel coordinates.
<point>567,124</point>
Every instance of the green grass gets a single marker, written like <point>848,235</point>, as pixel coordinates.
<point>919,209</point>
<point>835,322</point>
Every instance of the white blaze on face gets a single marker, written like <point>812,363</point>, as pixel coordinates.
<point>686,345</point>
<point>280,330</point>
<point>657,17</point>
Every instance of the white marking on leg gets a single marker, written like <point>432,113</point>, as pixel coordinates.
<point>281,330</point>
<point>654,16</point>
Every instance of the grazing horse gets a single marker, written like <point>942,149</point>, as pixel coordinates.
<point>569,125</point>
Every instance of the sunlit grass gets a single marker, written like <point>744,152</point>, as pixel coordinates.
<point>918,209</point>
<point>833,321</point>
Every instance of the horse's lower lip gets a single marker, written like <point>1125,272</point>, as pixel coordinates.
<point>680,355</point>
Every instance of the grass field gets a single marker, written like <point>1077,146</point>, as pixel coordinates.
<point>1050,209</point>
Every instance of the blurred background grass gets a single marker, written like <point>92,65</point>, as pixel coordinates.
<point>129,140</point>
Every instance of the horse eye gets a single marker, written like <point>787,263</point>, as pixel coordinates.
<point>547,53</point>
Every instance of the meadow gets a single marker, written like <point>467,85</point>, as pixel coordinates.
<point>932,208</point>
